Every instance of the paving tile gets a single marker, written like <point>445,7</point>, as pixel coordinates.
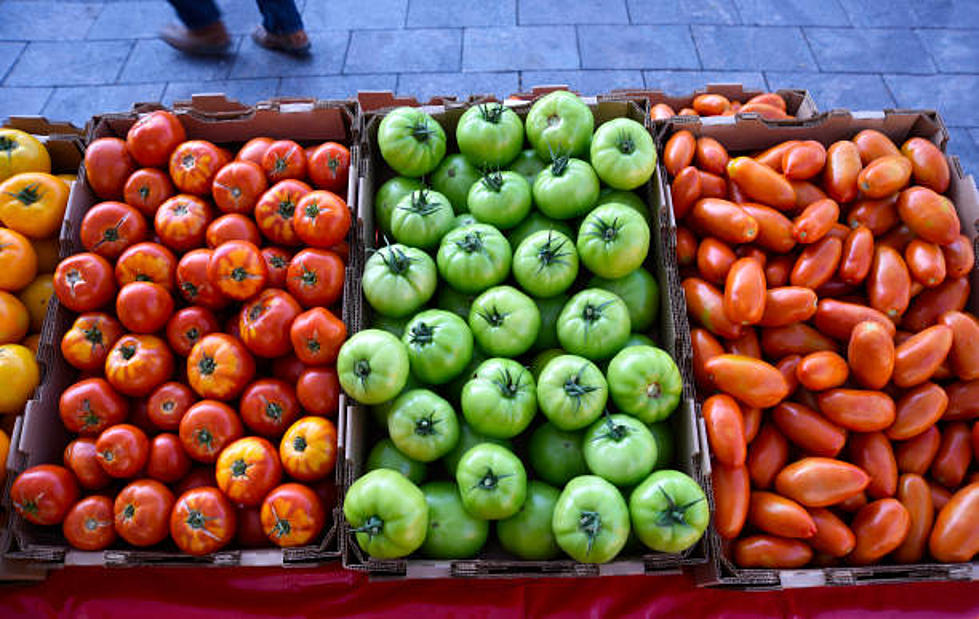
<point>954,97</point>
<point>154,61</point>
<point>9,53</point>
<point>455,13</point>
<point>792,13</point>
<point>350,14</point>
<point>46,21</point>
<point>69,63</point>
<point>246,91</point>
<point>329,47</point>
<point>945,13</point>
<point>539,12</point>
<point>685,82</point>
<point>753,48</point>
<point>424,86</point>
<point>838,90</point>
<point>637,47</point>
<point>379,51</point>
<point>79,103</point>
<point>874,13</point>
<point>22,101</point>
<point>683,12</point>
<point>336,86</point>
<point>529,47</point>
<point>132,20</point>
<point>585,82</point>
<point>954,51</point>
<point>963,144</point>
<point>869,50</point>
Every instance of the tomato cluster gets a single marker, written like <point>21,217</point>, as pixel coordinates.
<point>767,105</point>
<point>206,357</point>
<point>828,286</point>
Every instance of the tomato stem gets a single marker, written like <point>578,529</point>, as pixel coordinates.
<point>490,480</point>
<point>493,181</point>
<point>575,390</point>
<point>425,426</point>
<point>491,112</point>
<point>590,522</point>
<point>472,242</point>
<point>373,527</point>
<point>674,514</point>
<point>551,252</point>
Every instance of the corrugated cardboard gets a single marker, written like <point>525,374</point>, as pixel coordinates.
<point>798,103</point>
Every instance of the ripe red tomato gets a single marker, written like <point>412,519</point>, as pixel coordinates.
<point>329,167</point>
<point>181,222</point>
<point>288,368</point>
<point>265,322</point>
<point>277,260</point>
<point>250,533</point>
<point>237,270</point>
<point>154,137</point>
<point>122,450</point>
<point>139,416</point>
<point>88,525</point>
<point>167,460</point>
<point>284,159</point>
<point>168,403</point>
<point>232,227</point>
<point>138,364</point>
<point>322,219</point>
<point>107,166</point>
<point>147,262</point>
<point>268,406</point>
<point>147,189</point>
<point>86,345</point>
<point>188,326</point>
<point>90,406</point>
<point>193,166</point>
<point>80,458</point>
<point>317,336</point>
<point>276,208</point>
<point>292,515</point>
<point>43,494</point>
<point>203,521</point>
<point>248,469</point>
<point>254,150</point>
<point>207,428</point>
<point>84,282</point>
<point>109,228</point>
<point>315,277</point>
<point>318,390</point>
<point>144,307</point>
<point>309,449</point>
<point>219,367</point>
<point>237,187</point>
<point>141,512</point>
<point>193,283</point>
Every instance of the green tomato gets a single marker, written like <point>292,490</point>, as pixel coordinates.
<point>500,401</point>
<point>527,534</point>
<point>411,141</point>
<point>453,389</point>
<point>665,446</point>
<point>571,392</point>
<point>372,366</point>
<point>568,188</point>
<point>545,263</point>
<point>398,280</point>
<point>501,199</point>
<point>387,513</point>
<point>528,164</point>
<point>504,321</point>
<point>492,481</point>
<point>628,198</point>
<point>560,123</point>
<point>591,520</point>
<point>640,292</point>
<point>381,411</point>
<point>490,135</point>
<point>451,300</point>
<point>452,532</point>
<point>645,382</point>
<point>388,196</point>
<point>535,222</point>
<point>465,219</point>
<point>620,449</point>
<point>384,455</point>
<point>613,241</point>
<point>550,308</point>
<point>394,326</point>
<point>638,339</point>
<point>468,438</point>
<point>453,178</point>
<point>474,257</point>
<point>439,344</point>
<point>423,425</point>
<point>421,219</point>
<point>623,153</point>
<point>556,455</point>
<point>541,360</point>
<point>594,324</point>
<point>669,511</point>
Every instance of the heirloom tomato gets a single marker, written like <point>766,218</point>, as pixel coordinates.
<point>566,189</point>
<point>237,269</point>
<point>315,277</point>
<point>277,261</point>
<point>421,219</point>
<point>88,525</point>
<point>329,166</point>
<point>501,199</point>
<point>422,425</point>
<point>504,321</point>
<point>87,343</point>
<point>20,376</point>
<point>317,335</point>
<point>181,222</point>
<point>276,209</point>
<point>392,191</point>
<point>146,262</point>
<point>265,323</point>
<point>473,258</point>
<point>122,450</point>
<point>193,166</point>
<point>90,406</point>
<point>138,364</point>
<point>142,512</point>
<point>193,283</point>
<point>490,135</point>
<point>203,521</point>
<point>623,153</point>
<point>254,150</point>
<point>644,381</point>
<point>411,141</point>
<point>18,261</point>
<point>619,449</point>
<point>186,327</point>
<point>284,159</point>
<point>669,511</point>
<point>238,186</point>
<point>207,428</point>
<point>492,481</point>
<point>248,469</point>
<point>43,494</point>
<point>591,520</point>
<point>500,400</point>
<point>108,228</point>
<point>545,263</point>
<point>318,390</point>
<point>594,324</point>
<point>84,282</point>
<point>387,513</point>
<point>571,392</point>
<point>153,137</point>
<point>21,152</point>
<point>107,166</point>
<point>167,460</point>
<point>398,280</point>
<point>292,515</point>
<point>309,449</point>
<point>321,219</point>
<point>560,123</point>
<point>219,367</point>
<point>81,458</point>
<point>232,227</point>
<point>144,307</point>
<point>439,345</point>
<point>268,406</point>
<point>147,189</point>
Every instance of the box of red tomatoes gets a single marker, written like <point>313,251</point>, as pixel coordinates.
<point>187,412</point>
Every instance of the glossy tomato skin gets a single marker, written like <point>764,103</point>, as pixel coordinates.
<point>329,166</point>
<point>219,367</point>
<point>819,482</point>
<point>207,428</point>
<point>138,364</point>
<point>275,211</point>
<point>232,227</point>
<point>186,327</point>
<point>315,277</point>
<point>147,189</point>
<point>90,406</point>
<point>309,449</point>
<point>249,533</point>
<point>108,228</point>
<point>193,283</point>
<point>880,527</point>
<point>237,187</point>
<point>269,406</point>
<point>146,262</point>
<point>253,150</point>
<point>144,307</point>
<point>284,159</point>
<point>198,477</point>
<point>237,270</point>
<point>107,166</point>
<point>317,335</point>
<point>88,525</point>
<point>203,521</point>
<point>277,260</point>
<point>955,536</point>
<point>84,282</point>
<point>142,511</point>
<point>43,494</point>
<point>167,461</point>
<point>288,368</point>
<point>292,515</point>
<point>168,403</point>
<point>86,345</point>
<point>122,450</point>
<point>771,552</point>
<point>248,469</point>
<point>181,222</point>
<point>321,219</point>
<point>732,489</point>
<point>265,323</point>
<point>153,137</point>
<point>193,166</point>
<point>318,390</point>
<point>80,458</point>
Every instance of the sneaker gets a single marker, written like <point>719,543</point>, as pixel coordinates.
<point>209,40</point>
<point>295,43</point>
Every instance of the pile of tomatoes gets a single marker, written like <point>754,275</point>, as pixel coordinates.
<point>768,105</point>
<point>205,344</point>
<point>829,287</point>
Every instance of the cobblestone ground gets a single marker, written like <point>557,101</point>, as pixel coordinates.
<point>69,60</point>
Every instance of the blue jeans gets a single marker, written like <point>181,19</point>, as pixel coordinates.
<point>278,16</point>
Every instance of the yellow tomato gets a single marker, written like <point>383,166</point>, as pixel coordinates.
<point>14,320</point>
<point>47,254</point>
<point>31,341</point>
<point>18,261</point>
<point>33,203</point>
<point>21,152</point>
<point>19,375</point>
<point>4,450</point>
<point>35,297</point>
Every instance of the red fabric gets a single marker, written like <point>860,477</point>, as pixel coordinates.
<point>330,591</point>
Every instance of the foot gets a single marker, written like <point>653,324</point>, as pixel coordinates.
<point>295,43</point>
<point>211,39</point>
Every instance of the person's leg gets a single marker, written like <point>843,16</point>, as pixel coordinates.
<point>196,14</point>
<point>282,28</point>
<point>203,31</point>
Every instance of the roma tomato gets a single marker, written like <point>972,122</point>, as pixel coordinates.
<point>685,190</point>
<point>775,230</point>
<point>959,257</point>
<point>181,222</point>
<point>87,343</point>
<point>819,482</point>
<point>954,455</point>
<point>309,449</point>
<point>778,515</point>
<point>81,458</point>
<point>751,381</point>
<point>817,263</point>
<point>188,326</point>
<point>928,164</point>
<point>237,269</point>
<point>254,150</point>
<point>857,256</point>
<point>815,221</point>
<point>930,215</point>
<point>318,390</point>
<point>761,183</point>
<point>277,261</point>
<point>276,209</point>
<point>873,453</point>
<point>809,430</point>
<point>822,370</point>
<point>832,536</point>
<point>193,283</point>
<point>43,494</point>
<point>963,401</point>
<point>771,552</point>
<point>732,489</point>
<point>269,406</point>
<point>317,335</point>
<point>232,227</point>
<point>916,455</point>
<point>711,156</point>
<point>329,166</point>
<point>767,454</point>
<point>109,228</point>
<point>804,160</point>
<point>917,410</point>
<point>88,525</point>
<point>248,469</point>
<point>146,262</point>
<point>706,305</point>
<point>147,189</point>
<point>714,260</point>
<point>292,515</point>
<point>207,428</point>
<point>725,430</point>
<point>744,292</point>
<point>90,406</point>
<point>265,323</point>
<point>219,367</point>
<point>955,536</point>
<point>138,364</point>
<point>917,358</point>
<point>872,144</point>
<point>857,410</point>
<point>84,282</point>
<point>964,354</point>
<point>837,319</point>
<point>315,277</point>
<point>122,450</point>
<point>880,527</point>
<point>679,151</point>
<point>927,307</point>
<point>884,176</point>
<point>889,283</point>
<point>321,219</point>
<point>107,166</point>
<point>843,166</point>
<point>203,521</point>
<point>724,220</point>
<point>168,403</point>
<point>705,347</point>
<point>284,159</point>
<point>153,137</point>
<point>142,511</point>
<point>785,305</point>
<point>144,307</point>
<point>194,164</point>
<point>914,495</point>
<point>238,186</point>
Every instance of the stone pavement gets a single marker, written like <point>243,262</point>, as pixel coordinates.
<point>68,60</point>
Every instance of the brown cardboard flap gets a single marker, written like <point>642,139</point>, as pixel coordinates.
<point>374,100</point>
<point>39,125</point>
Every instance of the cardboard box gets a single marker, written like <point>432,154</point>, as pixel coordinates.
<point>355,434</point>
<point>798,103</point>
<point>748,135</point>
<point>42,436</point>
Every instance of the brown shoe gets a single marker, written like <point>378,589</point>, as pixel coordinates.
<point>209,40</point>
<point>295,43</point>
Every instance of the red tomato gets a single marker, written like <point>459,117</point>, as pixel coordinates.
<point>86,345</point>
<point>153,137</point>
<point>250,533</point>
<point>329,166</point>
<point>237,187</point>
<point>955,536</point>
<point>292,515</point>
<point>107,166</point>
<point>778,515</point>
<point>188,326</point>
<point>269,406</point>
<point>914,494</point>
<point>80,458</point>
<point>122,450</point>
<point>317,336</point>
<point>819,482</point>
<point>142,511</point>
<point>275,211</point>
<point>771,552</point>
<point>193,283</point>
<point>203,521</point>
<point>168,404</point>
<point>917,454</point>
<point>954,455</point>
<point>237,270</point>
<point>832,536</point>
<point>254,150</point>
<point>277,260</point>
<point>147,262</point>
<point>880,527</point>
<point>309,449</point>
<point>198,477</point>
<point>288,368</point>
<point>767,454</point>
<point>219,367</point>
<point>725,429</point>
<point>284,159</point>
<point>315,277</point>
<point>232,227</point>
<point>147,189</point>
<point>322,219</point>
<point>873,453</point>
<point>90,406</point>
<point>138,364</point>
<point>144,307</point>
<point>88,525</point>
<point>207,428</point>
<point>84,282</point>
<point>167,460</point>
<point>108,228</point>
<point>732,487</point>
<point>265,323</point>
<point>248,469</point>
<point>809,430</point>
<point>181,222</point>
<point>318,390</point>
<point>43,494</point>
<point>193,166</point>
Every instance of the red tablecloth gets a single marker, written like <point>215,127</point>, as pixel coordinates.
<point>326,592</point>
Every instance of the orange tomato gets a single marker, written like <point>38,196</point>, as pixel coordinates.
<point>35,298</point>
<point>771,552</point>
<point>804,161</point>
<point>752,381</point>
<point>33,204</point>
<point>203,521</point>
<point>712,186</point>
<point>147,189</point>
<point>679,151</point>
<point>661,111</point>
<point>927,307</point>
<point>724,220</point>
<point>914,495</point>
<point>238,186</point>
<point>880,527</point>
<point>14,319</point>
<point>822,370</point>
<point>857,410</point>
<point>744,292</point>
<point>917,454</point>
<point>714,260</point>
<point>884,176</point>
<point>880,216</point>
<point>778,515</point>
<point>193,166</point>
<point>705,346</point>
<point>248,469</point>
<point>773,156</point>
<point>309,449</point>
<point>889,283</point>
<point>711,104</point>
<point>292,515</point>
<point>929,166</point>
<point>809,430</point>
<point>815,221</point>
<point>832,536</point>
<point>732,489</point>
<point>18,261</point>
<point>767,455</point>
